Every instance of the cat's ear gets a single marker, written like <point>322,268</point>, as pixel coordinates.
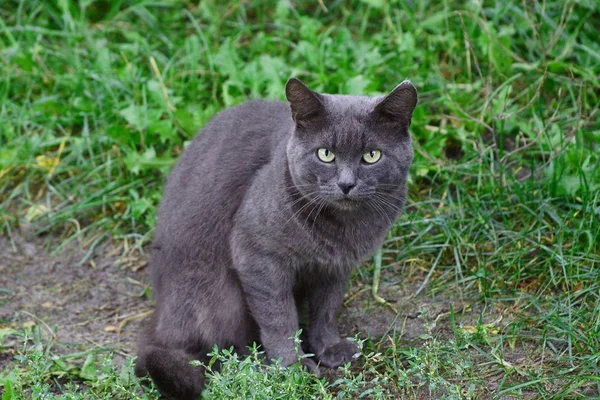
<point>399,104</point>
<point>305,103</point>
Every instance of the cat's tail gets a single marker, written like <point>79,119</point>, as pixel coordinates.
<point>171,371</point>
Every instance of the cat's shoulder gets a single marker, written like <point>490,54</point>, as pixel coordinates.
<point>254,114</point>
<point>260,106</point>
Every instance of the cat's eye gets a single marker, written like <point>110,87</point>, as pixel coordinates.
<point>325,155</point>
<point>371,157</point>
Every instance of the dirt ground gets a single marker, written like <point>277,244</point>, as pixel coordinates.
<point>102,303</point>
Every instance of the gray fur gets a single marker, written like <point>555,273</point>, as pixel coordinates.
<point>252,222</point>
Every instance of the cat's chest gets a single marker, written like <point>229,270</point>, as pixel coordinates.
<point>345,245</point>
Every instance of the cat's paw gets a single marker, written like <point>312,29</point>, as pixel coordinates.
<point>310,365</point>
<point>340,353</point>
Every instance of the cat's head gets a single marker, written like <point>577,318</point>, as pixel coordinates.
<point>348,150</point>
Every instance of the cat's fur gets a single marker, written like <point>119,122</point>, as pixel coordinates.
<point>252,222</point>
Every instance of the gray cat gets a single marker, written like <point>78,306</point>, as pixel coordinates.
<point>270,207</point>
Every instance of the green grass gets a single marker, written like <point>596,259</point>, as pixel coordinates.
<point>98,98</point>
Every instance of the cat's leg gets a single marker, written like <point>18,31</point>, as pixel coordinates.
<point>324,299</point>
<point>269,288</point>
<point>194,312</point>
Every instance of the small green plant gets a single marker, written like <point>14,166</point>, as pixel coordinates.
<point>251,378</point>
<point>40,373</point>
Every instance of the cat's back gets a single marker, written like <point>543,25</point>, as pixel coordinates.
<point>246,126</point>
<point>209,181</point>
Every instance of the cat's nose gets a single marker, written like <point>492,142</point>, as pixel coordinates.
<point>346,179</point>
<point>346,187</point>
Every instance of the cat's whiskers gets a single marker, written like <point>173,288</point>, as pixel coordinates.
<point>304,197</point>
<point>397,196</point>
<point>320,201</point>
<point>322,205</point>
<point>389,185</point>
<point>377,207</point>
<point>388,198</point>
<point>299,211</point>
<point>386,202</point>
<point>394,194</point>
<point>396,201</point>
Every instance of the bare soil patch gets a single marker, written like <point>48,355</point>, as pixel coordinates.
<point>102,302</point>
<point>99,303</point>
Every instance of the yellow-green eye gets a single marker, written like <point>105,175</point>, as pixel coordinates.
<point>371,157</point>
<point>325,155</point>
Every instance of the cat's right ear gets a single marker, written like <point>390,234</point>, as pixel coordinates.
<point>305,103</point>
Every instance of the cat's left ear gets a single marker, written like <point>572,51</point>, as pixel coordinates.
<point>399,104</point>
<point>305,103</point>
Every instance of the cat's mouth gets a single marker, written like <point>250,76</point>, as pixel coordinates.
<point>347,202</point>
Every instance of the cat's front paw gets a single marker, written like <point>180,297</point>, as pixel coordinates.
<point>310,366</point>
<point>340,353</point>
